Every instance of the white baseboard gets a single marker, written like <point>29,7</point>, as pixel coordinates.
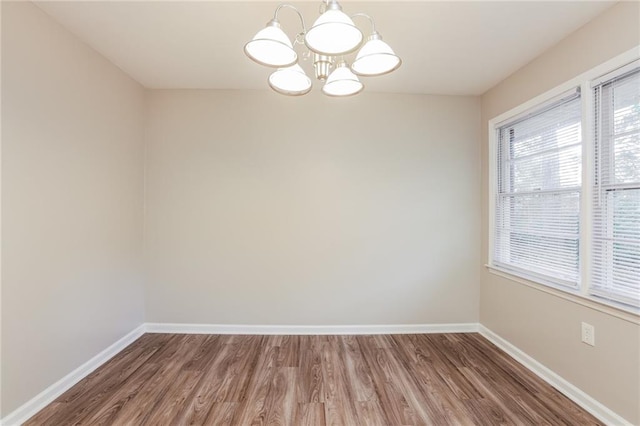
<point>47,396</point>
<point>594,407</point>
<point>310,329</point>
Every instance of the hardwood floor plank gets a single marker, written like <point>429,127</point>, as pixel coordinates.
<point>389,392</point>
<point>205,353</point>
<point>237,380</point>
<point>289,353</point>
<point>108,411</point>
<point>220,414</point>
<point>445,361</point>
<point>357,370</point>
<point>310,381</point>
<point>426,410</point>
<point>485,413</point>
<point>281,404</point>
<point>243,367</point>
<point>370,413</point>
<point>178,350</point>
<point>474,410</point>
<point>252,410</point>
<point>179,390</point>
<point>339,403</point>
<point>206,391</point>
<point>311,414</point>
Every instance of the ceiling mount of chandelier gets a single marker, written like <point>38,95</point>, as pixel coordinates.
<point>332,37</point>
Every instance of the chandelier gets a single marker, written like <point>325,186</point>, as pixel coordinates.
<point>332,37</point>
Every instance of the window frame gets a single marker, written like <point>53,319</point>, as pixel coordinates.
<point>633,67</point>
<point>556,101</point>
<point>584,83</point>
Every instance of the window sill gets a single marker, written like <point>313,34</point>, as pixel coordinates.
<point>611,308</point>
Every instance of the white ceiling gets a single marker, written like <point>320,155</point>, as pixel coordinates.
<point>455,48</point>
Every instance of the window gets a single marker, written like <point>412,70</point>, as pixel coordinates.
<point>616,193</point>
<point>537,229</point>
<point>546,226</point>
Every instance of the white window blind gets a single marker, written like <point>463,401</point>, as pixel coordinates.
<point>537,211</point>
<point>616,208</point>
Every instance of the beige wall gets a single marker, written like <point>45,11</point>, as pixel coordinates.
<point>72,174</point>
<point>263,209</point>
<point>543,325</point>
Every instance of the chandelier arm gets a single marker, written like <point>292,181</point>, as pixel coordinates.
<point>364,15</point>
<point>295,9</point>
<point>323,6</point>
<point>299,39</point>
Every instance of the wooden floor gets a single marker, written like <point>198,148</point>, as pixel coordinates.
<point>429,379</point>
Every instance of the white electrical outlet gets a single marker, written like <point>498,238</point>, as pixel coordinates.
<point>588,334</point>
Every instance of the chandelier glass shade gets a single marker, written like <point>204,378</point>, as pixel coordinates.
<point>342,82</point>
<point>330,39</point>
<point>333,33</point>
<point>375,58</point>
<point>271,47</point>
<point>290,81</point>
